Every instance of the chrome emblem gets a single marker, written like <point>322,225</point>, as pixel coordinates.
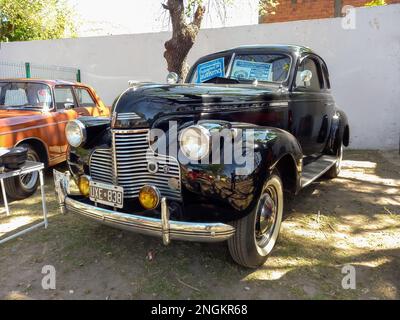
<point>152,167</point>
<point>166,169</point>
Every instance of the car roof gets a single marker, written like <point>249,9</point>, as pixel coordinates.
<point>50,82</point>
<point>281,48</point>
<point>277,47</point>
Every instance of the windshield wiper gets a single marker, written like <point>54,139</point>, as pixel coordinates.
<point>222,80</point>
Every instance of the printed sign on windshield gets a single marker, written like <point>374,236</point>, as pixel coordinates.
<point>249,70</point>
<point>210,69</point>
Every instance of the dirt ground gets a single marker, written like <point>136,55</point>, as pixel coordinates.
<point>354,219</point>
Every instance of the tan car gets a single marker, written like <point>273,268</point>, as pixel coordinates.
<point>34,113</point>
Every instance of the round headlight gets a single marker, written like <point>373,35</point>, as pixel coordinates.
<point>195,142</point>
<point>76,133</point>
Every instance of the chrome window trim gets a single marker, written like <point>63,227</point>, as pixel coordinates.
<point>53,105</point>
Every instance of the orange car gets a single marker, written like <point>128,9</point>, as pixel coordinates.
<point>34,113</point>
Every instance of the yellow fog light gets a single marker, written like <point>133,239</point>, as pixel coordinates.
<point>83,185</point>
<point>149,197</point>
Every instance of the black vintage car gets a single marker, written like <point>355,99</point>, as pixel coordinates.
<point>152,167</point>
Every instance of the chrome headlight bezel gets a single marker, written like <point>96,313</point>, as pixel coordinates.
<point>191,133</point>
<point>75,131</point>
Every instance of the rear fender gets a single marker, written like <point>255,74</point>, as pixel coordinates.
<point>339,133</point>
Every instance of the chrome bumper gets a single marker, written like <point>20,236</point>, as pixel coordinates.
<point>163,228</point>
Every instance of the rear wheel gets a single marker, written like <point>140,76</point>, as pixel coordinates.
<point>334,171</point>
<point>257,233</point>
<point>25,185</point>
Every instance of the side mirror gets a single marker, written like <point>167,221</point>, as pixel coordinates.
<point>68,106</point>
<point>172,78</point>
<point>305,77</point>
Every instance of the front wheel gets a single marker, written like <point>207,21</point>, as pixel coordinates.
<point>257,233</point>
<point>25,185</point>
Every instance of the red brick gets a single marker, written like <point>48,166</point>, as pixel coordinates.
<point>310,9</point>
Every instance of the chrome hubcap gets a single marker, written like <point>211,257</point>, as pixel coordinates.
<point>266,216</point>
<point>29,180</point>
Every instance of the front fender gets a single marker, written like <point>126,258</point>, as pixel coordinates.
<point>98,136</point>
<point>237,185</point>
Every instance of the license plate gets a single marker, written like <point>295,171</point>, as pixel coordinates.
<point>107,194</point>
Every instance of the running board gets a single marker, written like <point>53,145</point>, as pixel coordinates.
<point>314,170</point>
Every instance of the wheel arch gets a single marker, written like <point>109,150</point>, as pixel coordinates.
<point>288,172</point>
<point>273,149</point>
<point>286,156</point>
<point>40,147</point>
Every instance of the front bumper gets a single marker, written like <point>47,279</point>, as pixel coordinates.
<point>164,227</point>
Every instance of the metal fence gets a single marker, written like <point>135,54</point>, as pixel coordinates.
<point>34,70</point>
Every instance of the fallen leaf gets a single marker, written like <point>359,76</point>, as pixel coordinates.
<point>150,255</point>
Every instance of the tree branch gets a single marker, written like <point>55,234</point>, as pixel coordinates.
<point>198,16</point>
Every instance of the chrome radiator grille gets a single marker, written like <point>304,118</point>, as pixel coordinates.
<point>100,165</point>
<point>127,163</point>
<point>128,116</point>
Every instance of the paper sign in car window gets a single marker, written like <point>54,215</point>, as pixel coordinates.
<point>249,70</point>
<point>44,96</point>
<point>210,69</point>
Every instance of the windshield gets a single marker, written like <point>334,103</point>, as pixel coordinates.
<point>245,68</point>
<point>24,95</point>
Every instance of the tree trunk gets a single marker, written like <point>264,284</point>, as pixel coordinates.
<point>183,36</point>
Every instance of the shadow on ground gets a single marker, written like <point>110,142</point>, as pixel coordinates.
<point>354,219</point>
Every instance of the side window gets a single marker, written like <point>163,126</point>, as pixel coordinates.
<point>15,97</point>
<point>84,98</point>
<point>314,84</point>
<point>64,98</point>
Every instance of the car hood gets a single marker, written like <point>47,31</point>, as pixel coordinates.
<point>151,102</point>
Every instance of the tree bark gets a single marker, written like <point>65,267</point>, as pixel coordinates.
<point>183,36</point>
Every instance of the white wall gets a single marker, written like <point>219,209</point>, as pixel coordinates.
<point>364,63</point>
